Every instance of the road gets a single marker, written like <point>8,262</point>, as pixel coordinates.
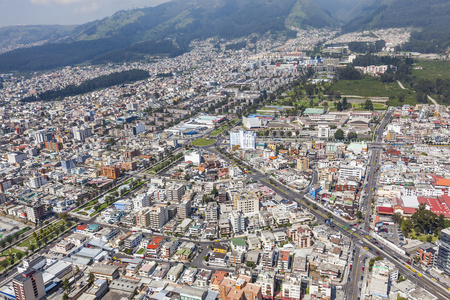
<point>432,100</point>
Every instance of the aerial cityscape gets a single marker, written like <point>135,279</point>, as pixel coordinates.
<point>227,150</point>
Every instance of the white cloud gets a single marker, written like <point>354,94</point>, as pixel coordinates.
<point>87,9</point>
<point>59,2</point>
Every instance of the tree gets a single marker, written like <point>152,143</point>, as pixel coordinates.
<point>359,214</point>
<point>31,247</point>
<point>339,134</point>
<point>65,296</point>
<point>396,218</point>
<point>66,285</point>
<point>368,104</point>
<point>2,243</point>
<point>401,98</point>
<point>187,177</point>
<point>64,216</point>
<point>315,206</point>
<point>19,255</point>
<point>352,136</point>
<point>345,104</point>
<point>91,277</point>
<point>329,215</point>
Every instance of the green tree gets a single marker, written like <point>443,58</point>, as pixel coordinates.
<point>339,134</point>
<point>66,285</point>
<point>64,216</point>
<point>91,278</point>
<point>352,135</point>
<point>31,247</point>
<point>19,255</point>
<point>65,296</point>
<point>359,214</point>
<point>368,104</point>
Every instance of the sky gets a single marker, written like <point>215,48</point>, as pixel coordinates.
<point>63,12</point>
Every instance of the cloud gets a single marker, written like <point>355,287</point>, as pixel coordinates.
<point>87,9</point>
<point>59,2</point>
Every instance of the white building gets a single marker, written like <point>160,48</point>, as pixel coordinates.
<point>37,182</point>
<point>194,156</point>
<point>80,134</point>
<point>237,221</point>
<point>141,201</point>
<point>245,139</point>
<point>16,157</point>
<point>323,131</point>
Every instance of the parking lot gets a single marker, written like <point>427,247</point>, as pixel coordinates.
<point>393,234</point>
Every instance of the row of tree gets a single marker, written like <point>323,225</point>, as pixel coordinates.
<point>90,85</point>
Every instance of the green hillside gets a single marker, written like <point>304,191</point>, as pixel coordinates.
<point>430,18</point>
<point>167,29</point>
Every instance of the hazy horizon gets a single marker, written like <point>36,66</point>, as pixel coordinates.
<point>63,12</point>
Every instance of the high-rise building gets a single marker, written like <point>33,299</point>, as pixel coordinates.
<point>159,215</point>
<point>211,212</point>
<point>82,133</point>
<point>184,210</point>
<point>68,164</point>
<point>443,258</point>
<point>143,219</point>
<point>112,172</point>
<point>247,202</point>
<point>35,213</point>
<point>38,181</point>
<point>174,193</point>
<point>237,221</point>
<point>303,164</point>
<point>243,139</point>
<point>29,286</point>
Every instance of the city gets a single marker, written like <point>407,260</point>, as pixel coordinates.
<point>259,167</point>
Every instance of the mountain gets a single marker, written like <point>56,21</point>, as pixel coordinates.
<point>429,18</point>
<point>343,10</point>
<point>12,36</point>
<point>167,29</point>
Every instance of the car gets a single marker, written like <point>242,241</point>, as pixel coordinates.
<point>362,277</point>
<point>363,268</point>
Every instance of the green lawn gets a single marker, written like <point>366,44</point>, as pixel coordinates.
<point>373,87</point>
<point>203,142</point>
<point>431,70</point>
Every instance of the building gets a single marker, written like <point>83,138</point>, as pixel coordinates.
<point>193,156</point>
<point>38,181</point>
<point>5,185</point>
<point>266,279</point>
<point>53,146</point>
<point>303,164</point>
<point>141,201</point>
<point>237,221</point>
<point>427,254</point>
<point>243,139</point>
<point>35,213</point>
<point>175,272</point>
<point>159,215</point>
<point>239,289</point>
<point>174,193</point>
<point>247,203</point>
<point>184,210</point>
<point>133,241</point>
<point>211,212</point>
<point>16,157</point>
<point>291,288</point>
<point>143,219</point>
<point>111,172</point>
<point>323,131</point>
<point>29,286</point>
<point>67,165</point>
<point>443,258</point>
<point>138,128</point>
<point>80,134</point>
<point>190,293</point>
<point>107,272</point>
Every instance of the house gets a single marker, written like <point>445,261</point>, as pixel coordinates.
<point>175,272</point>
<point>202,278</point>
<point>239,244</point>
<point>189,275</point>
<point>147,269</point>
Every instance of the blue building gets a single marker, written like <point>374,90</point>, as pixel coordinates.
<point>67,165</point>
<point>314,190</point>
